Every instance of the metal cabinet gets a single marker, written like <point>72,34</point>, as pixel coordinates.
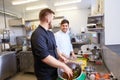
<point>7,64</point>
<point>26,61</point>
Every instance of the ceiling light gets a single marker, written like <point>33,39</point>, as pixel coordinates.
<point>18,2</point>
<point>65,9</point>
<point>66,2</point>
<point>36,7</point>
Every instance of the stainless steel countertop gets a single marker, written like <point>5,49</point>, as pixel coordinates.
<point>114,48</point>
<point>7,52</point>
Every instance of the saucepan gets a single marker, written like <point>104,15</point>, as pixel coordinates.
<point>76,68</point>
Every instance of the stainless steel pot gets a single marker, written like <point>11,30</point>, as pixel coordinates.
<point>76,71</point>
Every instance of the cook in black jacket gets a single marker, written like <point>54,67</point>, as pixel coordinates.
<point>45,50</point>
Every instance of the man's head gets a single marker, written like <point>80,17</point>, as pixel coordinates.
<point>64,25</point>
<point>46,15</point>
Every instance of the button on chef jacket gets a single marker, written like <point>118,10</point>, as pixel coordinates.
<point>43,44</point>
<point>63,43</point>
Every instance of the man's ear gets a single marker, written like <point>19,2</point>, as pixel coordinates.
<point>46,19</point>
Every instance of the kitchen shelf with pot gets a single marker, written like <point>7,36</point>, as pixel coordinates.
<point>96,24</point>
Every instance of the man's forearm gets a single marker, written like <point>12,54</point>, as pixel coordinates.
<point>53,62</point>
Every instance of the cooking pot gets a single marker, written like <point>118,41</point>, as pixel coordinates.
<point>76,68</point>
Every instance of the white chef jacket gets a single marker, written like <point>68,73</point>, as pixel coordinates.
<point>63,43</point>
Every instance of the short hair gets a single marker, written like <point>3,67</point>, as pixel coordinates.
<point>64,21</point>
<point>45,12</point>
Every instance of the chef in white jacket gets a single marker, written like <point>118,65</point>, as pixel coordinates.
<point>63,40</point>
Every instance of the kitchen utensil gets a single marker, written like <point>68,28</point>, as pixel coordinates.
<point>89,69</point>
<point>76,68</point>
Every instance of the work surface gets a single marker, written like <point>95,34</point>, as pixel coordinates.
<point>99,68</point>
<point>114,48</point>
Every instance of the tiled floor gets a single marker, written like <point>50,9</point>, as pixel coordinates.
<point>23,76</point>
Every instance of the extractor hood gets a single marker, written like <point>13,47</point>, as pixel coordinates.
<point>16,22</point>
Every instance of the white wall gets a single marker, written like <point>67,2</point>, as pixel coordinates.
<point>77,18</point>
<point>112,22</point>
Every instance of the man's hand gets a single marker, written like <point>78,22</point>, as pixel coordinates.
<point>68,71</point>
<point>63,59</point>
<point>73,56</point>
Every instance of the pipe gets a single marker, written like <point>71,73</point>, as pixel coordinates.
<point>4,20</point>
<point>4,14</point>
<point>9,14</point>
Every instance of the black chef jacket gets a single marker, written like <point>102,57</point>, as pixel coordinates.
<point>43,44</point>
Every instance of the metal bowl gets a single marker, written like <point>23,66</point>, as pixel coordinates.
<point>76,68</point>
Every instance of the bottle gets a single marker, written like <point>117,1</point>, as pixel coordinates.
<point>24,47</point>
